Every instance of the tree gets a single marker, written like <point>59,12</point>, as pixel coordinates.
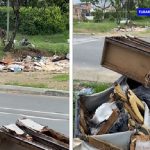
<point>143,3</point>
<point>16,7</point>
<point>118,5</point>
<point>100,4</point>
<point>63,4</point>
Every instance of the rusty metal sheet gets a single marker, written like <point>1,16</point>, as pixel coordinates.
<point>12,142</point>
<point>128,56</point>
<point>43,134</point>
<point>27,134</point>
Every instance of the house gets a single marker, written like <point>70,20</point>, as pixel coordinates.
<point>81,10</point>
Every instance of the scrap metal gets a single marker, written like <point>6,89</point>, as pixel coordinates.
<point>130,57</point>
<point>27,134</point>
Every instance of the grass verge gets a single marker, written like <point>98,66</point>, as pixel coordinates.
<point>61,77</point>
<point>90,27</point>
<point>96,86</point>
<point>103,27</point>
<point>35,85</point>
<point>53,44</point>
<point>36,80</point>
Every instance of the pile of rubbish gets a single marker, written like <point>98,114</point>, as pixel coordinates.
<point>40,63</point>
<point>119,117</point>
<point>26,134</point>
<point>131,29</point>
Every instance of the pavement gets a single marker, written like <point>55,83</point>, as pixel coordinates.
<point>52,111</point>
<point>35,91</point>
<point>87,54</point>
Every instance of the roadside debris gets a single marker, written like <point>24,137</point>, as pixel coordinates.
<point>25,42</point>
<point>121,111</point>
<point>130,29</point>
<point>27,134</point>
<point>39,63</point>
<point>86,91</point>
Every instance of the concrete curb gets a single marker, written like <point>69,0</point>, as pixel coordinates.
<point>35,91</point>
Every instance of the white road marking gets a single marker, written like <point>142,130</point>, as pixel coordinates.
<point>29,116</point>
<point>34,111</point>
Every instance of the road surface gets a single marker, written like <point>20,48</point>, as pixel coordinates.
<point>47,110</point>
<point>87,54</point>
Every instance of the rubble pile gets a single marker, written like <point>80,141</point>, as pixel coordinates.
<point>131,29</point>
<point>35,64</point>
<point>26,134</point>
<point>124,111</point>
<point>119,117</point>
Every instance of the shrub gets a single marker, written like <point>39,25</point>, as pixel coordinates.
<point>98,15</point>
<point>37,20</point>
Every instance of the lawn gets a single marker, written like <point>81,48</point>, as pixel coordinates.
<point>142,22</point>
<point>96,86</point>
<point>58,81</point>
<point>61,77</point>
<point>86,27</point>
<point>53,44</point>
<point>103,27</point>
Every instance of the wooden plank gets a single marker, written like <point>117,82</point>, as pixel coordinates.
<point>141,138</point>
<point>102,145</point>
<point>134,117</point>
<point>109,123</point>
<point>83,123</point>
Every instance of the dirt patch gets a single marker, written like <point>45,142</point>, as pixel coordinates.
<point>33,79</point>
<point>24,52</point>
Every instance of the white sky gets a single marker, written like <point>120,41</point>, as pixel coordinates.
<point>76,1</point>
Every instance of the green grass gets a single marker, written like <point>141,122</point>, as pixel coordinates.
<point>102,27</point>
<point>1,51</point>
<point>84,27</point>
<point>54,44</point>
<point>96,86</point>
<point>142,22</point>
<point>61,77</point>
<point>35,85</point>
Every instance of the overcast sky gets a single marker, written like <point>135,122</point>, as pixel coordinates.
<point>76,1</point>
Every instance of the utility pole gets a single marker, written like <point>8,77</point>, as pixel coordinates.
<point>8,11</point>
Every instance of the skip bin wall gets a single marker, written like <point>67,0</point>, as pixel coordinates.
<point>128,56</point>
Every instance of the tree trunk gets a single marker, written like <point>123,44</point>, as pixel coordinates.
<point>16,8</point>
<point>103,15</point>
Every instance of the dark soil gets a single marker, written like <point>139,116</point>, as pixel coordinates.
<point>22,53</point>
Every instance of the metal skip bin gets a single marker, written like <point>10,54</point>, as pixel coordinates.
<point>26,134</point>
<point>129,56</point>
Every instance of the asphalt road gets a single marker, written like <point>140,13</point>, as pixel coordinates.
<point>46,110</point>
<point>87,54</point>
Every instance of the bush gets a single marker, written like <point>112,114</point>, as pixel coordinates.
<point>98,15</point>
<point>112,16</point>
<point>37,20</point>
<point>3,18</point>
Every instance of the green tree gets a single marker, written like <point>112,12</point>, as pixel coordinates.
<point>100,4</point>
